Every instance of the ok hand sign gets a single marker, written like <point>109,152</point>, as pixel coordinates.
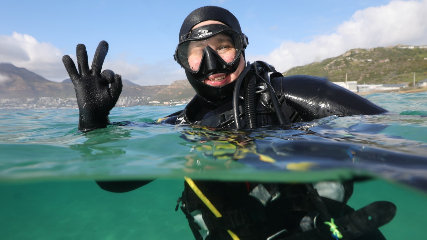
<point>96,92</point>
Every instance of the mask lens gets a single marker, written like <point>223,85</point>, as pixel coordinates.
<point>226,44</point>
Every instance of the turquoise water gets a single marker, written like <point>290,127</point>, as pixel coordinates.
<point>47,168</point>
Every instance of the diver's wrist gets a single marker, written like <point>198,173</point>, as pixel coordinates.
<point>90,123</point>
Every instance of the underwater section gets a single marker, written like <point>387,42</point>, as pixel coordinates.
<point>48,168</point>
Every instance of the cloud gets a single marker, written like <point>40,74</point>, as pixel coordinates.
<point>4,79</point>
<point>399,22</point>
<point>25,51</point>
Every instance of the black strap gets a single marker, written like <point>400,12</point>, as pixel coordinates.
<point>191,221</point>
<point>317,201</point>
<point>275,75</point>
<point>217,118</point>
<point>193,225</point>
<point>237,218</point>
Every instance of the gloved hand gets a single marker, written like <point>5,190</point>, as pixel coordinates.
<point>96,92</point>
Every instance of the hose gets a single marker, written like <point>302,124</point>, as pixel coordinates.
<point>284,120</point>
<point>236,96</point>
<point>250,112</point>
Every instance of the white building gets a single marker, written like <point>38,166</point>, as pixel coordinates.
<point>422,83</point>
<point>386,87</point>
<point>368,88</point>
<point>350,85</point>
<point>379,87</point>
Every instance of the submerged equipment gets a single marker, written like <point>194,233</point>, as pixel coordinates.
<point>296,214</point>
<point>211,62</point>
<point>208,204</point>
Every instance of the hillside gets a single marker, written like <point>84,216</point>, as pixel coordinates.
<point>18,82</point>
<point>124,81</point>
<point>21,83</point>
<point>371,66</point>
<point>178,90</point>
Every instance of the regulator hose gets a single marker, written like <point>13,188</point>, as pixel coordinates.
<point>250,113</point>
<point>236,93</point>
<point>284,120</point>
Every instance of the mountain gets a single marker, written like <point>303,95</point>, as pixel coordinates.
<point>178,90</point>
<point>18,82</point>
<point>124,81</point>
<point>129,83</point>
<point>382,65</point>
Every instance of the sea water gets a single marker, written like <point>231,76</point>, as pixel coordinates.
<point>47,168</point>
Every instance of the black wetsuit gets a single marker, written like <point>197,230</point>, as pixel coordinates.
<point>302,98</point>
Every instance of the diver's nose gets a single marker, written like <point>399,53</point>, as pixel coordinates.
<point>210,61</point>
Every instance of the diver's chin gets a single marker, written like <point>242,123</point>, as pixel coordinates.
<point>218,80</point>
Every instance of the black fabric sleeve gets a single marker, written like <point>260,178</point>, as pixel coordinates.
<point>122,186</point>
<point>316,97</point>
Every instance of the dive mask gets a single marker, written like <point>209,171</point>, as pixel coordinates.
<point>210,49</point>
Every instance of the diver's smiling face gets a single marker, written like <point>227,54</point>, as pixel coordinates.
<point>224,46</point>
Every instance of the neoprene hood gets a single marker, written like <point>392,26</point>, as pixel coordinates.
<point>216,95</point>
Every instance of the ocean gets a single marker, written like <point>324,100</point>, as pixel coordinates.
<point>47,168</point>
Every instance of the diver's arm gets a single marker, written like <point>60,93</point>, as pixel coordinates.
<point>122,186</point>
<point>173,119</point>
<point>96,92</point>
<point>316,97</point>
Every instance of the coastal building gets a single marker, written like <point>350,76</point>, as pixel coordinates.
<point>350,85</point>
<point>422,83</point>
<point>379,87</point>
<point>354,87</point>
<point>387,87</point>
<point>405,47</point>
<point>368,88</point>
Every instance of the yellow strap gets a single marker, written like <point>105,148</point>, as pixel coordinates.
<point>161,119</point>
<point>202,197</point>
<point>233,236</point>
<point>301,166</point>
<point>208,203</point>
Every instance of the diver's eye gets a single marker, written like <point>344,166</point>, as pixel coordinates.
<point>224,48</point>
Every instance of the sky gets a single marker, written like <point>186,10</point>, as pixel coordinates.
<point>143,35</point>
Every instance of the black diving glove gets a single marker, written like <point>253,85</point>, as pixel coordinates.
<point>96,92</point>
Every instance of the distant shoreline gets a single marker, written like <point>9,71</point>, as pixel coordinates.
<point>411,90</point>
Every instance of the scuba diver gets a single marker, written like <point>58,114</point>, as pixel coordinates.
<point>233,93</point>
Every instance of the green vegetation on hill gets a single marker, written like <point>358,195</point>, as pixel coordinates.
<point>380,65</point>
<point>178,90</point>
